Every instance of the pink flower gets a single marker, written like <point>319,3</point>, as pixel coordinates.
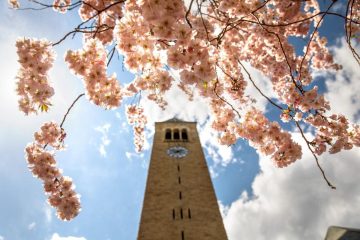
<point>36,58</point>
<point>42,164</point>
<point>90,64</point>
<point>285,116</point>
<point>298,116</point>
<point>14,3</point>
<point>135,116</point>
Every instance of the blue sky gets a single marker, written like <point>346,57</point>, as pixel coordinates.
<point>258,201</point>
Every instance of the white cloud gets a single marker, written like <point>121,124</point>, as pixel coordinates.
<point>131,155</point>
<point>56,236</point>
<point>105,141</point>
<point>2,238</point>
<point>220,154</point>
<point>31,226</point>
<point>223,209</point>
<point>295,202</point>
<point>47,212</point>
<point>213,172</point>
<point>344,90</point>
<point>339,7</point>
<point>178,105</point>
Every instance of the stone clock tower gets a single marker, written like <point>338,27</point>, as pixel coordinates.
<point>179,202</point>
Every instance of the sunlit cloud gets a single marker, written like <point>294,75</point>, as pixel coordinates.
<point>31,226</point>
<point>105,141</point>
<point>47,213</point>
<point>56,236</point>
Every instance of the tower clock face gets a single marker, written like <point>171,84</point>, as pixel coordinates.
<point>177,152</point>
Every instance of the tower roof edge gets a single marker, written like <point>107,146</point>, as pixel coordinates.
<point>175,119</point>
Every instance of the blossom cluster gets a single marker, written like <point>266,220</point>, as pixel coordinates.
<point>269,138</point>
<point>354,29</point>
<point>90,64</point>
<point>14,3</point>
<point>61,5</point>
<point>36,57</point>
<point>42,164</point>
<point>135,116</point>
<point>334,131</point>
<point>50,134</point>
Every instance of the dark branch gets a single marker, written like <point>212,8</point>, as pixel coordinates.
<point>316,158</point>
<point>68,111</point>
<point>259,90</point>
<point>188,12</point>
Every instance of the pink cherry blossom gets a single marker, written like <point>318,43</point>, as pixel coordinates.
<point>50,134</point>
<point>42,164</point>
<point>135,116</point>
<point>14,3</point>
<point>90,64</point>
<point>61,5</point>
<point>36,58</point>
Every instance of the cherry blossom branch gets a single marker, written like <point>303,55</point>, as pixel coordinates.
<point>45,6</point>
<point>348,31</point>
<point>227,74</point>
<point>79,28</point>
<point>313,153</point>
<point>224,100</point>
<point>68,111</point>
<point>311,38</point>
<point>291,23</point>
<point>111,53</point>
<point>297,85</point>
<point>261,6</point>
<point>66,114</point>
<point>259,90</point>
<point>236,23</point>
<point>188,12</point>
<point>202,20</point>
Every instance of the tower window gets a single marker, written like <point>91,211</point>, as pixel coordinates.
<point>176,134</point>
<point>189,213</point>
<point>180,195</point>
<point>178,168</point>
<point>181,213</point>
<point>184,135</point>
<point>173,214</point>
<point>167,134</point>
<point>179,179</point>
<point>182,235</point>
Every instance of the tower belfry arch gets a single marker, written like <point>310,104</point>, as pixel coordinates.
<point>179,202</point>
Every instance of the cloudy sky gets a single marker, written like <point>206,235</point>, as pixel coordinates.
<point>257,200</point>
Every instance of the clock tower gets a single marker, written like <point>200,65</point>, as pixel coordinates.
<point>179,201</point>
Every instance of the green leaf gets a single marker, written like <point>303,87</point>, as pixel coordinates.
<point>44,107</point>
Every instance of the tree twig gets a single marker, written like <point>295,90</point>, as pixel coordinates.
<point>223,99</point>
<point>188,12</point>
<point>259,90</point>
<point>316,158</point>
<point>71,106</point>
<point>311,38</point>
